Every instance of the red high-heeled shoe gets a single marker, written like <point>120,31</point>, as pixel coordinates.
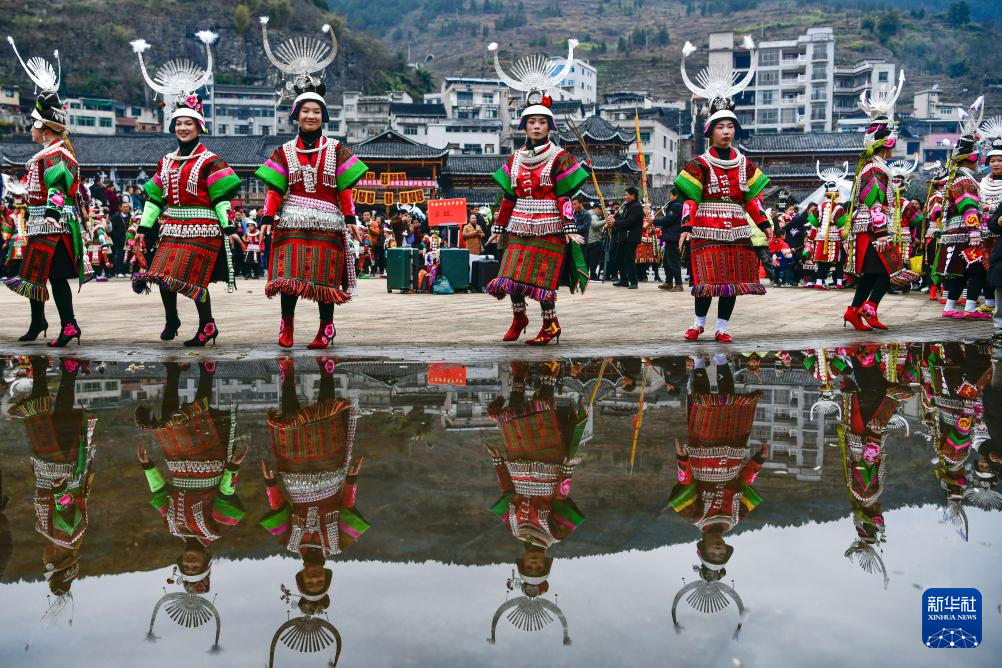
<point>549,331</point>
<point>324,336</point>
<point>869,313</point>
<point>518,324</point>
<point>286,332</point>
<point>723,337</point>
<point>853,317</point>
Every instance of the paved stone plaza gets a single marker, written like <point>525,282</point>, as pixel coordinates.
<point>606,320</point>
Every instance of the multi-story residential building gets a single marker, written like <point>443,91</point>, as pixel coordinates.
<point>136,119</point>
<point>411,119</point>
<point>927,105</point>
<point>465,136</point>
<point>581,83</point>
<point>12,118</point>
<point>366,116</point>
<point>90,115</point>
<point>246,111</point>
<point>797,86</point>
<point>660,125</point>
<point>852,80</point>
<point>470,98</point>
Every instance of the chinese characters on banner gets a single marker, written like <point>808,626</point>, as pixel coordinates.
<point>391,180</point>
<point>446,211</point>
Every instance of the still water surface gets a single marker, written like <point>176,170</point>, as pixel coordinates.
<point>792,505</point>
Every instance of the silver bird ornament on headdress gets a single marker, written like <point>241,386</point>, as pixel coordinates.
<point>717,81</point>
<point>881,101</point>
<point>178,77</point>
<point>41,72</point>
<point>533,74</point>
<point>301,57</point>
<point>708,597</point>
<point>955,515</point>
<point>970,120</point>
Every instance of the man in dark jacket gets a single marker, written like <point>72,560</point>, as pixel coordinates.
<point>671,229</point>
<point>629,225</point>
<point>120,221</point>
<point>796,236</point>
<point>98,191</point>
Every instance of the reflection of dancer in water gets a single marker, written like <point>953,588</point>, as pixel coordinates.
<point>534,471</point>
<point>6,545</point>
<point>715,477</point>
<point>311,493</point>
<point>198,502</point>
<point>62,458</point>
<point>953,375</point>
<point>869,413</point>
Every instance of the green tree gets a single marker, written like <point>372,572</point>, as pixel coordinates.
<point>621,44</point>
<point>887,24</point>
<point>241,18</point>
<point>959,13</point>
<point>663,36</point>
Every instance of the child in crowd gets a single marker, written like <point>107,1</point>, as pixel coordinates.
<point>252,256</point>
<point>782,259</point>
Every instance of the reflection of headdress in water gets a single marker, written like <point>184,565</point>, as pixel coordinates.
<point>529,612</point>
<point>865,555</point>
<point>59,578</point>
<point>187,608</point>
<point>306,633</point>
<point>708,595</point>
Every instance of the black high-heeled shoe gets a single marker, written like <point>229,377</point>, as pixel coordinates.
<point>207,333</point>
<point>34,330</point>
<point>69,332</point>
<point>170,329</point>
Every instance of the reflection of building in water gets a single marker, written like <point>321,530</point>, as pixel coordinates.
<point>783,419</point>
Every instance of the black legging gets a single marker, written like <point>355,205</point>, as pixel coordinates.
<point>289,400</point>
<point>871,287</point>
<point>725,306</point>
<point>169,299</point>
<point>63,296</point>
<point>289,308</point>
<point>973,279</point>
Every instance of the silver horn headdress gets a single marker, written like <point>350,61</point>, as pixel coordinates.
<point>991,134</point>
<point>533,76</point>
<point>832,176</point>
<point>901,169</point>
<point>718,84</point>
<point>306,633</point>
<point>178,81</point>
<point>48,108</point>
<point>303,60</point>
<point>709,594</point>
<point>878,104</point>
<point>529,612</point>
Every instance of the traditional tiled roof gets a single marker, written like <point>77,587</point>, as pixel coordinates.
<point>242,152</point>
<point>473,165</point>
<point>803,142</point>
<point>391,145</point>
<point>417,109</point>
<point>607,163</point>
<point>598,129</point>
<point>477,196</point>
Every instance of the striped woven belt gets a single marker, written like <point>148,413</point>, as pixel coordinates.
<point>719,209</point>
<point>190,213</point>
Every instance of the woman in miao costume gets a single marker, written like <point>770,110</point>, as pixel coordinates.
<point>54,247</point>
<point>191,189</point>
<point>541,241</point>
<point>309,181</point>
<point>721,189</point>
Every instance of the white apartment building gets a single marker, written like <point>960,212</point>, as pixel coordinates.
<point>659,135</point>
<point>246,111</point>
<point>90,115</point>
<point>929,106</point>
<point>366,116</point>
<point>581,83</point>
<point>855,79</point>
<point>412,119</point>
<point>13,120</point>
<point>472,98</point>
<point>792,88</point>
<point>466,136</point>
